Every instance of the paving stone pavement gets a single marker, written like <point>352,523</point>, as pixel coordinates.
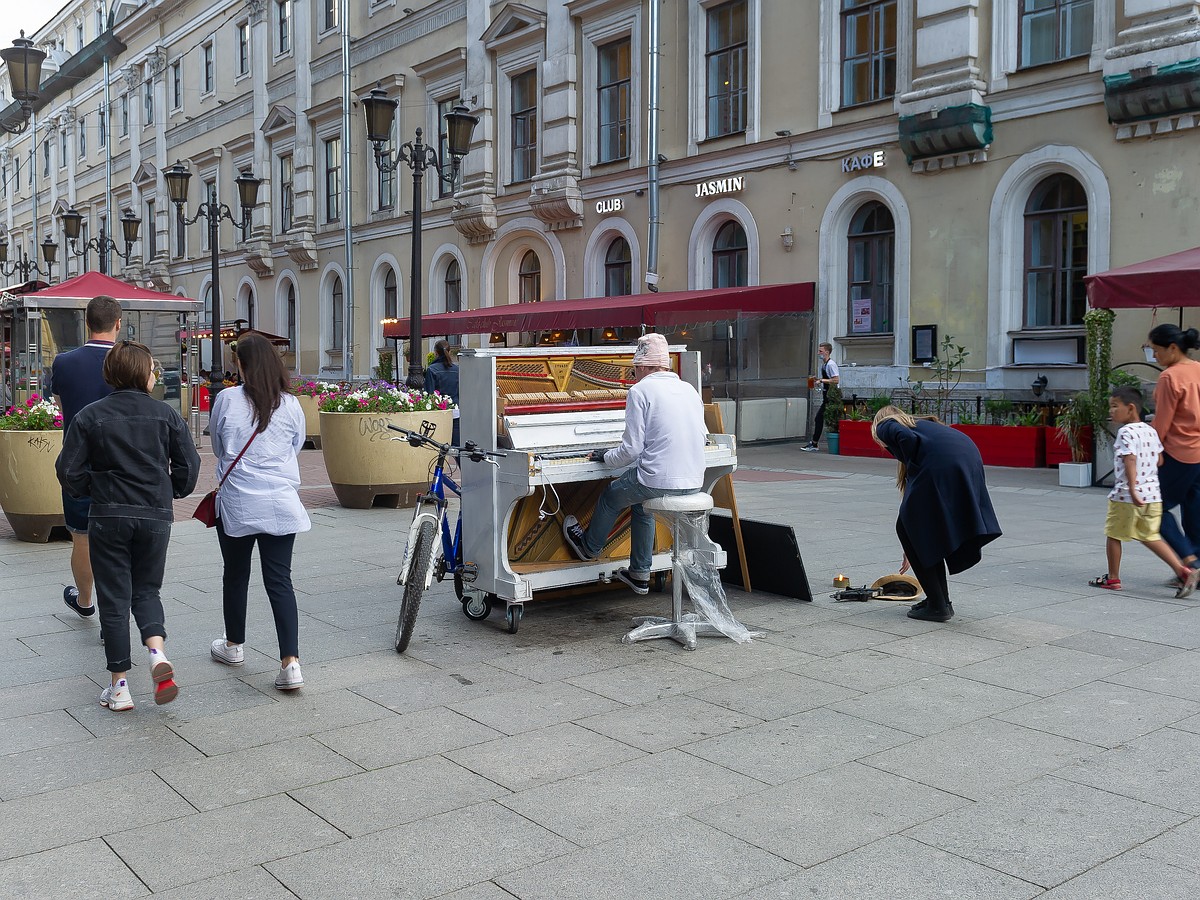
<point>1045,743</point>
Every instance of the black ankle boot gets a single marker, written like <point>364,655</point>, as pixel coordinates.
<point>929,612</point>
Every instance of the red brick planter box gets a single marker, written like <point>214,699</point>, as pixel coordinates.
<point>856,440</point>
<point>1017,446</point>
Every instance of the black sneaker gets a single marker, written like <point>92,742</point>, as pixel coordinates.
<point>573,535</point>
<point>810,447</point>
<point>638,586</point>
<point>71,598</point>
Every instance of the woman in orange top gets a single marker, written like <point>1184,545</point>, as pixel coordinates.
<point>1177,421</point>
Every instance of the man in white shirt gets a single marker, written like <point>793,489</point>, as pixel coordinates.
<point>664,439</point>
<point>828,375</point>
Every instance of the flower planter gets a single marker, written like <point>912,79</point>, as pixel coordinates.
<point>312,419</point>
<point>856,440</point>
<point>29,489</point>
<point>367,468</point>
<point>1058,451</point>
<point>1017,446</point>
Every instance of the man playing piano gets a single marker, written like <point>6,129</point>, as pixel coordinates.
<point>664,440</point>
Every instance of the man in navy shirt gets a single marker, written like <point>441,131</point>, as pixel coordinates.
<point>77,380</point>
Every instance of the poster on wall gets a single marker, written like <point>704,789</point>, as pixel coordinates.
<point>860,315</point>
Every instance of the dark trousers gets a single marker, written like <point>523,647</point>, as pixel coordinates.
<point>1180,484</point>
<point>820,422</point>
<point>275,560</point>
<point>932,578</point>
<point>128,558</point>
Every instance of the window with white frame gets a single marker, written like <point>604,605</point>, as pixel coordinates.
<point>871,250</point>
<point>150,229</point>
<point>730,256</point>
<point>385,176</point>
<point>1056,253</point>
<point>523,125</point>
<point>102,123</point>
<point>287,193</point>
<point>337,316</point>
<point>180,234</point>
<point>147,102</point>
<point>79,38</point>
<point>333,178</point>
<point>613,100</point>
<point>64,142</point>
<point>283,26</point>
<point>618,269</point>
<point>329,14</point>
<point>100,25</point>
<point>210,187</point>
<point>208,302</point>
<point>446,188</point>
<point>726,68</point>
<point>46,159</point>
<point>452,287</point>
<point>868,51</point>
<point>207,75</point>
<point>529,278</point>
<point>177,84</point>
<point>290,316</point>
<point>1052,30</point>
<point>243,45</point>
<point>82,127</point>
<point>391,295</point>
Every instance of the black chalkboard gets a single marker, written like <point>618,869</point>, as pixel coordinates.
<point>772,555</point>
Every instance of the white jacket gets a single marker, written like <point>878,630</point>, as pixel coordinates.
<point>664,433</point>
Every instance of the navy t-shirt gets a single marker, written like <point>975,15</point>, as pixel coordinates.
<point>76,379</point>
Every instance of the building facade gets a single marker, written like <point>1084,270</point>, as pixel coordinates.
<point>949,163</point>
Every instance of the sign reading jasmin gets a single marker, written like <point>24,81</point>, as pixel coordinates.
<point>730,185</point>
<point>874,160</point>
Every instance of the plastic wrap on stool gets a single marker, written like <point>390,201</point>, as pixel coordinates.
<point>703,580</point>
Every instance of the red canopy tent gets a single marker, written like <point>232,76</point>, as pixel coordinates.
<point>1172,280</point>
<point>84,287</point>
<point>675,308</point>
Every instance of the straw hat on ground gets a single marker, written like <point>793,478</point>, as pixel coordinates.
<point>898,587</point>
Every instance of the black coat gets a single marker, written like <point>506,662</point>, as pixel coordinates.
<point>946,509</point>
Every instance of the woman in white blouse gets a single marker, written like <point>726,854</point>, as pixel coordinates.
<point>258,503</point>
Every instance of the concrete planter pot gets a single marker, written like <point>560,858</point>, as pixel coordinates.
<point>312,420</point>
<point>367,468</point>
<point>29,489</point>
<point>1073,474</point>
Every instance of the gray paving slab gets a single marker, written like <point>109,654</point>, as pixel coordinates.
<point>673,722</point>
<point>385,742</point>
<point>1100,713</point>
<point>543,756</point>
<point>953,760</point>
<point>842,808</point>
<point>678,859</point>
<point>773,695</point>
<point>1130,876</point>
<point>86,811</point>
<point>645,681</point>
<point>396,795</point>
<point>1046,831</point>
<point>84,870</point>
<point>231,838</point>
<point>255,883</point>
<point>736,661</point>
<point>786,749</point>
<point>649,791</point>
<point>535,707</point>
<point>952,649</point>
<point>428,858</point>
<point>829,638</point>
<point>429,687</point>
<point>932,704</point>
<point>1177,676</point>
<point>1043,670</point>
<point>1022,632</point>
<point>1176,847</point>
<point>868,670</point>
<point>37,730</point>
<point>1116,647</point>
<point>894,867</point>
<point>485,890</point>
<point>1162,768</point>
<point>1176,629</point>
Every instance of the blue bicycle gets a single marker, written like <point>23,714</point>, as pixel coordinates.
<point>425,558</point>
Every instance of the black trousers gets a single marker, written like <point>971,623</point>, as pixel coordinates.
<point>932,578</point>
<point>129,557</point>
<point>820,422</point>
<point>275,560</point>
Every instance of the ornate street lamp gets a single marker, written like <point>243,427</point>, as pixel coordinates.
<point>102,244</point>
<point>24,64</point>
<point>177,178</point>
<point>24,265</point>
<point>380,115</point>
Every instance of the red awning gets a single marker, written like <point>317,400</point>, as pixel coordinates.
<point>1172,280</point>
<point>92,284</point>
<point>676,308</point>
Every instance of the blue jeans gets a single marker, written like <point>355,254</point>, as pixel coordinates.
<point>626,492</point>
<point>1180,484</point>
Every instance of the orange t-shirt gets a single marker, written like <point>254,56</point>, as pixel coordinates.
<point>1177,410</point>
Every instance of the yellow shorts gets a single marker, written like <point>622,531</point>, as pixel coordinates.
<point>1126,522</point>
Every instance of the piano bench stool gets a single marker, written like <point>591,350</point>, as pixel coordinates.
<point>673,510</point>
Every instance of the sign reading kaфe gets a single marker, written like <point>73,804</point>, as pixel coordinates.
<point>860,161</point>
<point>730,185</point>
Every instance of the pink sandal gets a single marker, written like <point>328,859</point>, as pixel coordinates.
<point>1109,584</point>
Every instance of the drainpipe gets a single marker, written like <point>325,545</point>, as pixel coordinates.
<point>348,349</point>
<point>652,151</point>
<point>108,216</point>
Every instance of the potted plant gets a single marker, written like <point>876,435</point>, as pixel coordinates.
<point>1074,431</point>
<point>30,442</point>
<point>309,393</point>
<point>834,409</point>
<point>855,435</point>
<point>368,464</point>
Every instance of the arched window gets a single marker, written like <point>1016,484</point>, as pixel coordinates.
<point>1056,253</point>
<point>337,330</point>
<point>618,269</point>
<point>251,316</point>
<point>529,278</point>
<point>291,317</point>
<point>730,257</point>
<point>872,255</point>
<point>208,303</point>
<point>391,306</point>
<point>452,285</point>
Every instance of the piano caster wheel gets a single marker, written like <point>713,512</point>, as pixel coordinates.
<point>477,607</point>
<point>512,616</point>
<point>658,582</point>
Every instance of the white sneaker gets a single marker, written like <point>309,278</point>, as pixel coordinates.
<point>229,654</point>
<point>289,677</point>
<point>116,697</point>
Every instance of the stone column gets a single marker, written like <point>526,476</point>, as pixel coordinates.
<point>555,196</point>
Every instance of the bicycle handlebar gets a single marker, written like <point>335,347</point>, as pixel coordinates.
<point>469,449</point>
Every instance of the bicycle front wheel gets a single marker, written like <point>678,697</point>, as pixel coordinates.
<point>414,584</point>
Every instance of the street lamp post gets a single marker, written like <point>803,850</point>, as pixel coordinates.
<point>380,116</point>
<point>177,177</point>
<point>24,64</point>
<point>103,244</point>
<point>23,264</point>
